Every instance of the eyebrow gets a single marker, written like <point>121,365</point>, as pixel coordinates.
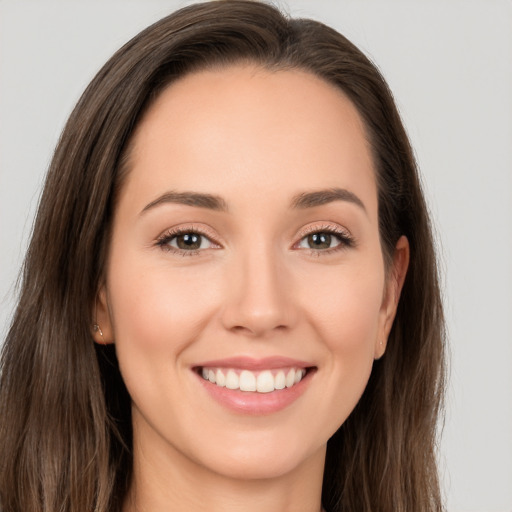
<point>197,199</point>
<point>301,201</point>
<point>321,197</point>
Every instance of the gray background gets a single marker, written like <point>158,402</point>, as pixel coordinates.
<point>449,64</point>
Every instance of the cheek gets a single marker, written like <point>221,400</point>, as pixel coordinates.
<point>154,309</point>
<point>347,318</point>
<point>157,314</point>
<point>347,307</point>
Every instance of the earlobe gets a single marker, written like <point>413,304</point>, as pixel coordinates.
<point>394,285</point>
<point>380,348</point>
<point>102,326</point>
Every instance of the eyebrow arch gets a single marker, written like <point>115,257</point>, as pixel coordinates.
<point>212,202</point>
<point>196,199</point>
<point>321,197</point>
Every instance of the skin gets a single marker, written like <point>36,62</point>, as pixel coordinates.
<point>256,139</point>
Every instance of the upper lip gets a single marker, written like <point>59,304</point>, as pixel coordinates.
<point>250,363</point>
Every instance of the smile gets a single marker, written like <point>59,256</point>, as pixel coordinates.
<point>265,381</point>
<point>251,386</point>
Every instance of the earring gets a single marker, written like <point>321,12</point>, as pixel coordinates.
<point>96,328</point>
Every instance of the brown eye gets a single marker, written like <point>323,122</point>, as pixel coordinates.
<point>188,241</point>
<point>319,241</point>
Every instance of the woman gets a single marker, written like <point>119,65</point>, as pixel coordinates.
<point>234,217</point>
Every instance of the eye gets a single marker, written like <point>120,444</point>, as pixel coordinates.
<point>320,240</point>
<point>189,241</point>
<point>185,241</point>
<point>325,239</point>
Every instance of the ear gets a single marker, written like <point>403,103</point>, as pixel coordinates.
<point>393,289</point>
<point>103,334</point>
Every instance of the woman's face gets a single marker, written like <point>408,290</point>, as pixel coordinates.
<point>245,254</point>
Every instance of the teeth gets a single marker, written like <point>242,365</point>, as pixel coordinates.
<point>280,380</point>
<point>265,382</point>
<point>232,381</point>
<point>220,379</point>
<point>290,378</point>
<point>262,382</point>
<point>247,381</point>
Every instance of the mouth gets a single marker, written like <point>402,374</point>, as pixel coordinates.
<point>255,387</point>
<point>260,381</point>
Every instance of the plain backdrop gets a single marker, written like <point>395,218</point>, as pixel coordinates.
<point>449,64</point>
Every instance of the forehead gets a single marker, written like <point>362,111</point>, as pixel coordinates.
<point>242,129</point>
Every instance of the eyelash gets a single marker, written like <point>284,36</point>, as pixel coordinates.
<point>345,239</point>
<point>164,240</point>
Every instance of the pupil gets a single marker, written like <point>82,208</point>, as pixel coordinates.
<point>319,240</point>
<point>189,241</point>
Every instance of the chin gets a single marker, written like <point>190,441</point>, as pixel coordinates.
<point>273,467</point>
<point>261,459</point>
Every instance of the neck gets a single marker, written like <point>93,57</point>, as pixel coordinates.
<point>174,482</point>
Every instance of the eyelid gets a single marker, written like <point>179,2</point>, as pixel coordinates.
<point>344,235</point>
<point>324,226</point>
<point>164,237</point>
<point>346,238</point>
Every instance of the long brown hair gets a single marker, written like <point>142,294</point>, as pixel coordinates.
<point>65,425</point>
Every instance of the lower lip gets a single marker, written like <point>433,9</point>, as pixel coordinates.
<point>249,402</point>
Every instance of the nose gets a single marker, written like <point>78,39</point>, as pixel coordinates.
<point>259,298</point>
